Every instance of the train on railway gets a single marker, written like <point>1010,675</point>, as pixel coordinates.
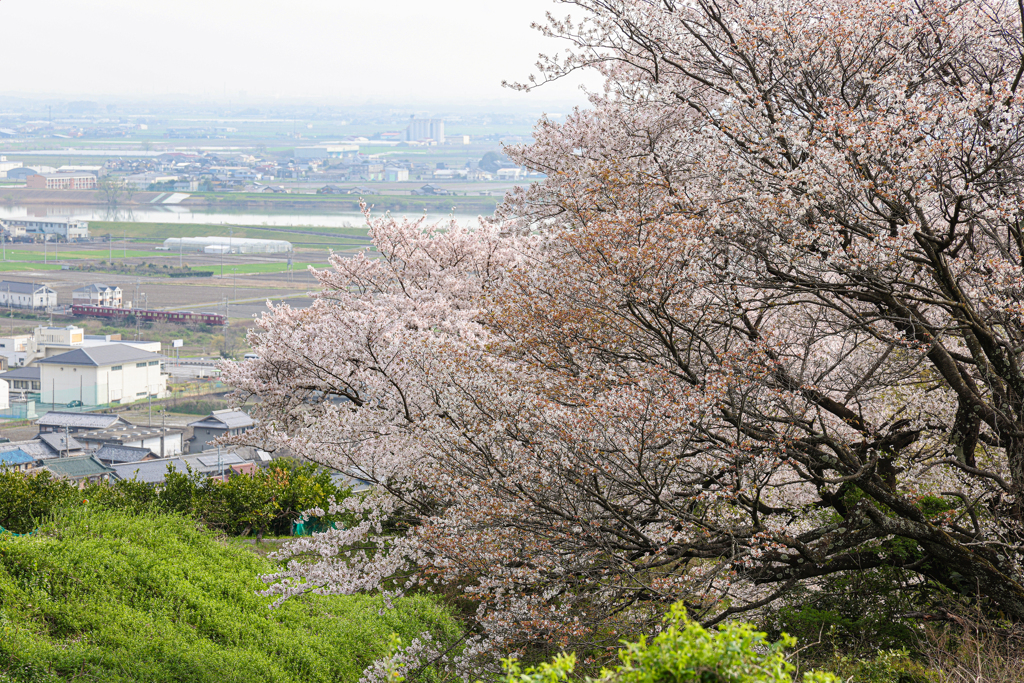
<point>181,317</point>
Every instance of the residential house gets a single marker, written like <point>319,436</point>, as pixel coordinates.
<point>16,460</point>
<point>34,447</point>
<point>26,295</point>
<point>151,472</point>
<point>217,424</point>
<point>219,465</point>
<point>116,454</point>
<point>62,445</point>
<point>81,469</point>
<point>97,295</point>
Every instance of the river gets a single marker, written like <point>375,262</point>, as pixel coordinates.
<point>184,215</point>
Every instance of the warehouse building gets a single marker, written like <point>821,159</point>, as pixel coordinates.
<point>226,245</point>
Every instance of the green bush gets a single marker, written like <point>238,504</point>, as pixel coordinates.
<point>686,652</point>
<point>109,596</point>
<point>25,500</point>
<point>888,666</point>
<point>268,501</point>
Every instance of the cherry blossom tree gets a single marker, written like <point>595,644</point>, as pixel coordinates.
<point>761,323</point>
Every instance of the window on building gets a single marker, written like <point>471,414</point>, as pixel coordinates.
<point>154,362</point>
<point>115,367</point>
<point>140,365</point>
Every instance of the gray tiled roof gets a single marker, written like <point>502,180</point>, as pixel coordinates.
<point>33,447</point>
<point>208,463</point>
<point>29,373</point>
<point>21,287</point>
<point>95,288</point>
<point>60,418</point>
<point>150,471</point>
<point>108,354</point>
<point>77,467</point>
<point>114,453</point>
<point>59,443</point>
<point>225,419</point>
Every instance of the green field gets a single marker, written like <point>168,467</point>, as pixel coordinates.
<point>65,254</point>
<point>261,268</point>
<point>10,266</point>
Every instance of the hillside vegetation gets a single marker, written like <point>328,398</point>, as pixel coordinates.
<point>110,596</point>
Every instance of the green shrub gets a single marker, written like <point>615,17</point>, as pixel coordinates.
<point>25,500</point>
<point>686,652</point>
<point>267,501</point>
<point>888,666</point>
<point>108,596</point>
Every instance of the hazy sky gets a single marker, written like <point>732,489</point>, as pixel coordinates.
<point>337,51</point>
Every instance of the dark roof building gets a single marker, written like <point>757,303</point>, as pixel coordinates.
<point>82,469</point>
<point>149,471</point>
<point>34,447</point>
<point>217,424</point>
<point>59,420</point>
<point>62,444</point>
<point>114,454</point>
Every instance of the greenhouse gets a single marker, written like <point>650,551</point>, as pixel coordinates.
<point>227,245</point>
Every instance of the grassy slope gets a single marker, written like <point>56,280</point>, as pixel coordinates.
<point>106,596</point>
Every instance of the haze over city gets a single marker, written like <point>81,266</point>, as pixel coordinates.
<point>402,52</point>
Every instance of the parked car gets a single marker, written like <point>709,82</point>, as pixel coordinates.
<point>75,404</point>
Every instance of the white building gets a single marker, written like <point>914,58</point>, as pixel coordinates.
<point>326,152</point>
<point>425,129</point>
<point>142,181</point>
<point>6,166</point>
<point>44,342</point>
<point>97,295</point>
<point>69,228</point>
<point>111,373</point>
<point>26,295</point>
<point>510,173</point>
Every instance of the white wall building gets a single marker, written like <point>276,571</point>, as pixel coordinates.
<point>111,373</point>
<point>26,295</point>
<point>69,228</point>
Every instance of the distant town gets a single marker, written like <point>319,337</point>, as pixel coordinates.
<point>137,242</point>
